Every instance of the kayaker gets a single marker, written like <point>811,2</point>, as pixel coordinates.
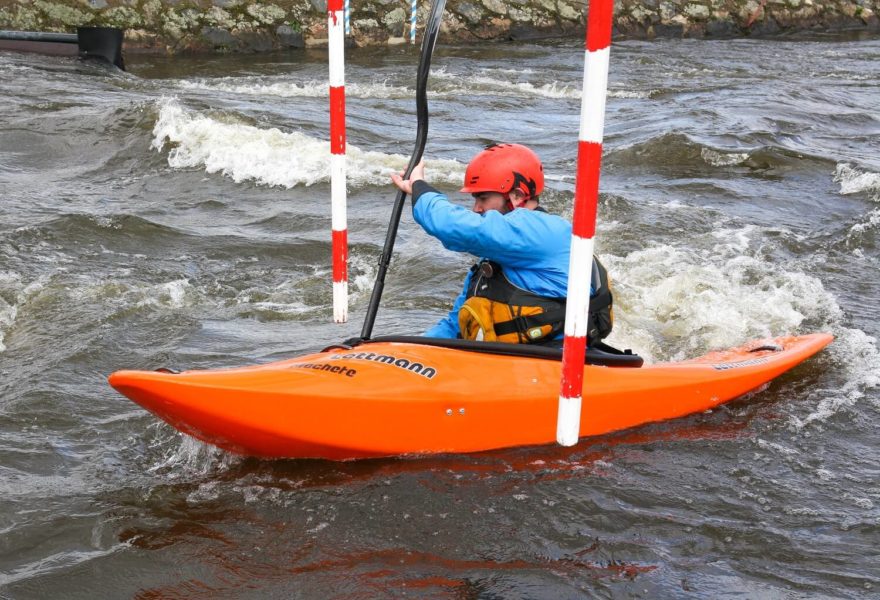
<point>516,291</point>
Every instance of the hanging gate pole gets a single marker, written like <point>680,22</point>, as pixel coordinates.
<point>586,198</point>
<point>339,225</point>
<point>413,10</point>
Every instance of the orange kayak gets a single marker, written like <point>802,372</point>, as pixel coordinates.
<point>416,396</point>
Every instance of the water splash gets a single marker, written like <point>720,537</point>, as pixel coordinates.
<point>188,457</point>
<point>872,220</point>
<point>8,312</point>
<point>172,294</point>
<point>444,84</point>
<point>853,180</point>
<point>14,294</point>
<point>270,156</point>
<point>723,159</point>
<point>856,354</point>
<point>291,89</point>
<point>675,303</point>
<point>58,562</point>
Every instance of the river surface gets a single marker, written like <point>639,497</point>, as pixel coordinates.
<point>178,215</point>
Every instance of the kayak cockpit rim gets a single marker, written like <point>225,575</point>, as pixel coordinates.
<point>599,354</point>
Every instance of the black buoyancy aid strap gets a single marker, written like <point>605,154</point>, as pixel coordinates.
<point>489,281</point>
<point>600,320</point>
<point>602,296</point>
<point>555,317</point>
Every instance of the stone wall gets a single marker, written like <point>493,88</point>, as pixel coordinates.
<point>262,25</point>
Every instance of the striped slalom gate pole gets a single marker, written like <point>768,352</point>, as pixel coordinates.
<point>413,7</point>
<point>336,47</point>
<point>347,10</point>
<point>586,198</point>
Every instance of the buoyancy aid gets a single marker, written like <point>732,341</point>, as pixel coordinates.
<point>497,310</point>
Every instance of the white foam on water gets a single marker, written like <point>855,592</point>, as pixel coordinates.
<point>60,561</point>
<point>856,356</point>
<point>450,84</point>
<point>190,457</point>
<point>547,90</point>
<point>173,294</point>
<point>732,241</point>
<point>279,308</point>
<point>639,94</point>
<point>779,448</point>
<point>253,86</point>
<point>872,220</point>
<point>136,413</point>
<point>505,71</point>
<point>8,312</point>
<point>251,493</point>
<point>671,204</point>
<point>800,511</point>
<point>206,492</point>
<point>283,301</point>
<point>825,475</point>
<point>241,152</point>
<point>847,75</point>
<point>723,159</point>
<point>487,85</point>
<point>122,295</point>
<point>853,180</point>
<point>609,227</point>
<point>16,69</point>
<point>10,287</point>
<point>363,270</point>
<point>859,501</point>
<point>258,493</point>
<point>14,293</point>
<point>286,299</point>
<point>674,303</point>
<point>270,156</point>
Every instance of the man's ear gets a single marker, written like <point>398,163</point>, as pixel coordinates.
<point>517,198</point>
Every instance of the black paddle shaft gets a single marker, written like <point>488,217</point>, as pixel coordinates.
<point>428,43</point>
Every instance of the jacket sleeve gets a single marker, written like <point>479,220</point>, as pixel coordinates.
<point>512,239</point>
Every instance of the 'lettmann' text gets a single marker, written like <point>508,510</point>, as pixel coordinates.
<point>388,359</point>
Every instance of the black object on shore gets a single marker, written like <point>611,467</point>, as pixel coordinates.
<point>101,43</point>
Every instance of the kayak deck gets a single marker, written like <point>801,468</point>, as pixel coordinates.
<point>393,398</point>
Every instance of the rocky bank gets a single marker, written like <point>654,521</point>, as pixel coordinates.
<point>250,25</point>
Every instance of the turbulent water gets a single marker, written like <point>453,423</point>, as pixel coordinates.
<point>178,215</point>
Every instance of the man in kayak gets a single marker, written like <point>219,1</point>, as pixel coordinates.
<point>516,291</point>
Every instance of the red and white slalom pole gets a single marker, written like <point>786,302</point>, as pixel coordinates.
<point>336,47</point>
<point>586,199</point>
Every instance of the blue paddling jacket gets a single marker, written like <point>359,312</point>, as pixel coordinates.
<point>532,246</point>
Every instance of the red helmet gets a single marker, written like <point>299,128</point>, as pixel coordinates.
<point>504,167</point>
